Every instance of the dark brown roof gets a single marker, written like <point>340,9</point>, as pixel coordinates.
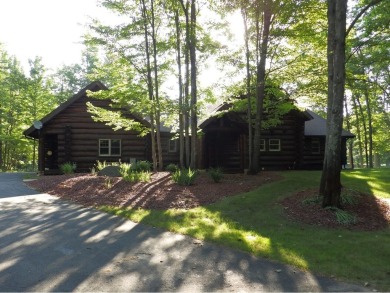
<point>94,86</point>
<point>317,126</point>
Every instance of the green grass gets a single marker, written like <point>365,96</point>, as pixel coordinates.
<point>255,222</point>
<point>374,181</point>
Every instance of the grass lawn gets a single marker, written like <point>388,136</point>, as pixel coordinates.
<point>255,222</point>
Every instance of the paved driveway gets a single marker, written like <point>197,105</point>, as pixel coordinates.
<point>47,244</point>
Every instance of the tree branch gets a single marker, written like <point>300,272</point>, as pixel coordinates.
<point>369,5</point>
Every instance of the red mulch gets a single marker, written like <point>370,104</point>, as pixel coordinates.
<point>163,193</point>
<point>371,213</point>
<point>160,193</point>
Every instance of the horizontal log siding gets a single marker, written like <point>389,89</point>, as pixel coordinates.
<point>85,135</point>
<point>312,160</point>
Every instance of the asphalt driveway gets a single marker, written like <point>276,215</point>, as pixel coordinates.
<point>47,244</point>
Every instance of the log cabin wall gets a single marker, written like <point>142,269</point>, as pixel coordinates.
<point>314,149</point>
<point>226,143</point>
<point>78,137</point>
<point>282,147</point>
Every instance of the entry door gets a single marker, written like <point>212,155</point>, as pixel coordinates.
<point>51,152</point>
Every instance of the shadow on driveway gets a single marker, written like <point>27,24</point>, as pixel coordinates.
<point>47,244</point>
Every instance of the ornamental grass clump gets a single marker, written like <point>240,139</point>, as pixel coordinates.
<point>184,177</point>
<point>136,172</point>
<point>216,174</point>
<point>68,168</point>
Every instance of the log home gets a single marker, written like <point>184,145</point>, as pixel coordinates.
<point>69,134</point>
<point>298,142</point>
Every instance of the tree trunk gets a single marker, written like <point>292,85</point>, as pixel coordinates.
<point>150,87</point>
<point>180,81</point>
<point>350,142</point>
<point>260,86</point>
<point>364,122</point>
<point>248,89</point>
<point>370,131</point>
<point>194,110</point>
<point>330,182</point>
<point>360,147</point>
<point>156,89</point>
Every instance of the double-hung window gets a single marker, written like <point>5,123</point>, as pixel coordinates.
<point>172,145</point>
<point>274,145</point>
<point>262,145</point>
<point>315,146</point>
<point>109,147</point>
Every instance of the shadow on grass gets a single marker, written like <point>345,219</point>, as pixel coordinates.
<point>255,222</point>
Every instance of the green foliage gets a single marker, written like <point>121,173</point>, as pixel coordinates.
<point>348,197</point>
<point>137,176</point>
<point>343,217</point>
<point>312,200</point>
<point>171,168</point>
<point>141,166</point>
<point>184,177</point>
<point>68,168</point>
<point>136,172</point>
<point>101,165</point>
<point>216,174</point>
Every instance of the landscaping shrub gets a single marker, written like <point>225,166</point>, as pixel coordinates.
<point>68,168</point>
<point>101,165</point>
<point>216,174</point>
<point>136,172</point>
<point>137,176</point>
<point>171,168</point>
<point>141,166</point>
<point>184,177</point>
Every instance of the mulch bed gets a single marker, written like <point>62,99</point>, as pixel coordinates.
<point>160,193</point>
<point>371,213</point>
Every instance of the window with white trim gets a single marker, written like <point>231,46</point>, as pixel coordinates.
<point>172,146</point>
<point>274,145</point>
<point>109,147</point>
<point>315,146</point>
<point>262,145</point>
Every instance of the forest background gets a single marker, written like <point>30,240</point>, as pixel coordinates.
<point>154,56</point>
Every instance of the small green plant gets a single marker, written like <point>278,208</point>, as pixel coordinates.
<point>137,176</point>
<point>108,182</point>
<point>136,172</point>
<point>100,165</point>
<point>216,174</point>
<point>141,166</point>
<point>184,177</point>
<point>171,168</point>
<point>312,200</point>
<point>124,168</point>
<point>349,198</point>
<point>68,168</point>
<point>343,217</point>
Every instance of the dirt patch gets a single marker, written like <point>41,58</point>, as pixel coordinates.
<point>371,213</point>
<point>160,193</point>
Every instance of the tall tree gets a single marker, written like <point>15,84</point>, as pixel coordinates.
<point>330,187</point>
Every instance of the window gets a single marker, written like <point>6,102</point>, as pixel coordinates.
<point>109,147</point>
<point>262,145</point>
<point>315,146</point>
<point>172,146</point>
<point>274,145</point>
